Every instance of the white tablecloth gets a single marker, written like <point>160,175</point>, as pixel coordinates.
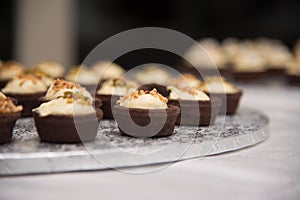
<point>270,170</point>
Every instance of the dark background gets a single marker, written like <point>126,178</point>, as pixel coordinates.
<point>100,19</point>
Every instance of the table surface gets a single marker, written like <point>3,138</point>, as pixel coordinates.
<point>270,170</point>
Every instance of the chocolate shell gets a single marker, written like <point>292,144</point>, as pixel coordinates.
<point>232,101</point>
<point>105,103</point>
<point>62,129</point>
<point>7,123</point>
<point>196,113</point>
<point>139,122</point>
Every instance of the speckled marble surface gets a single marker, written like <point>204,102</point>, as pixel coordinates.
<point>229,133</point>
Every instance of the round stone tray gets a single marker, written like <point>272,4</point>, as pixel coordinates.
<point>27,155</point>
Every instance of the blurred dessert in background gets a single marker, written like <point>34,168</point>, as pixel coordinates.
<point>108,70</point>
<point>85,76</point>
<point>248,63</point>
<point>27,89</point>
<point>49,68</point>
<point>8,70</point>
<point>207,59</point>
<point>153,73</point>
<point>185,80</point>
<point>275,54</point>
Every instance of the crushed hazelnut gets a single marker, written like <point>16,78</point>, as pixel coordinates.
<point>77,97</point>
<point>29,77</point>
<point>153,92</point>
<point>7,106</point>
<point>59,84</point>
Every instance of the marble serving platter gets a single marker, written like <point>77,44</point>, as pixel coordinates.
<point>27,155</point>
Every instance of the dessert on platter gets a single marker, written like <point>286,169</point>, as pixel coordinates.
<point>110,92</point>
<point>27,89</point>
<point>218,87</point>
<point>196,108</point>
<point>70,118</point>
<point>145,114</point>
<point>9,113</point>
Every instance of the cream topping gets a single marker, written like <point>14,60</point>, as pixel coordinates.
<point>108,70</point>
<point>59,87</point>
<point>25,84</point>
<point>118,87</point>
<point>50,68</point>
<point>187,94</point>
<point>217,85</point>
<point>69,104</point>
<point>144,99</point>
<point>10,69</point>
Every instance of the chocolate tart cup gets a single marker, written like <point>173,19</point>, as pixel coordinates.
<point>28,101</point>
<point>62,129</point>
<point>232,102</point>
<point>139,122</point>
<point>3,83</point>
<point>7,123</point>
<point>160,88</point>
<point>208,111</point>
<point>294,80</point>
<point>107,102</point>
<point>249,76</point>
